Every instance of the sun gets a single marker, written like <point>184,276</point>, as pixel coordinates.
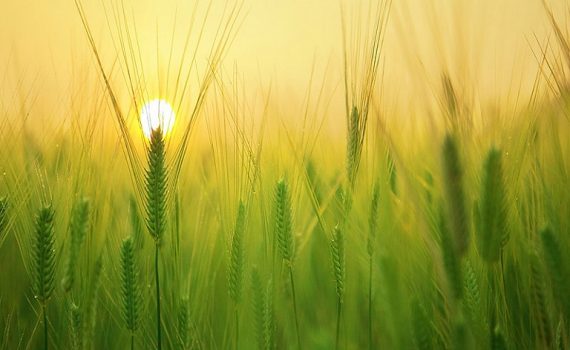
<point>157,113</point>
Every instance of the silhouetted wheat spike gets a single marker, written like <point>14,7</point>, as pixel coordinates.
<point>130,291</point>
<point>156,196</point>
<point>43,262</point>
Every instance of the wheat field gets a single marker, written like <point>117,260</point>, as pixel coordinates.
<point>285,175</point>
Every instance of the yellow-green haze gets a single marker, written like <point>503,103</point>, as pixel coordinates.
<point>390,174</point>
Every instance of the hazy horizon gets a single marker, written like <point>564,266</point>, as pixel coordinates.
<point>280,46</point>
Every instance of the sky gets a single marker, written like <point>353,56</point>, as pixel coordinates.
<point>288,45</point>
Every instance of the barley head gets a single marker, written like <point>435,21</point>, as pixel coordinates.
<point>237,258</point>
<point>130,291</point>
<point>43,255</point>
<point>284,221</point>
<point>156,186</point>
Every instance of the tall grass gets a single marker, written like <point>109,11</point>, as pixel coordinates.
<point>155,205</point>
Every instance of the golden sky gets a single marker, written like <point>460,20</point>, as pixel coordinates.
<point>487,43</point>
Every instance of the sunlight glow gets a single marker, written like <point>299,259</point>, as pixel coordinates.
<point>154,114</point>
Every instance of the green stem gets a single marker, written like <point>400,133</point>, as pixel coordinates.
<point>132,341</point>
<point>339,310</point>
<point>45,326</point>
<point>237,327</point>
<point>295,306</point>
<point>158,326</point>
<point>370,304</point>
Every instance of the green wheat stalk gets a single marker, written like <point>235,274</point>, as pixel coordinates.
<point>269,317</point>
<point>490,220</point>
<point>258,308</point>
<point>558,269</point>
<point>392,173</point>
<point>156,196</point>
<point>353,145</point>
<point>130,291</point>
<point>76,327</point>
<point>184,324</point>
<point>498,341</point>
<point>472,301</point>
<point>455,197</point>
<point>284,222</point>
<point>560,343</point>
<point>451,261</point>
<point>365,59</point>
<point>372,228</point>
<point>338,260</point>
<point>235,272</point>
<point>492,231</point>
<point>421,327</point>
<point>3,214</point>
<point>460,332</point>
<point>136,224</point>
<point>93,301</point>
<point>539,301</point>
<point>43,262</point>
<point>285,241</point>
<point>3,219</point>
<point>373,219</point>
<point>78,227</point>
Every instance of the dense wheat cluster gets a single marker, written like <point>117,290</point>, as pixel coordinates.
<point>254,225</point>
